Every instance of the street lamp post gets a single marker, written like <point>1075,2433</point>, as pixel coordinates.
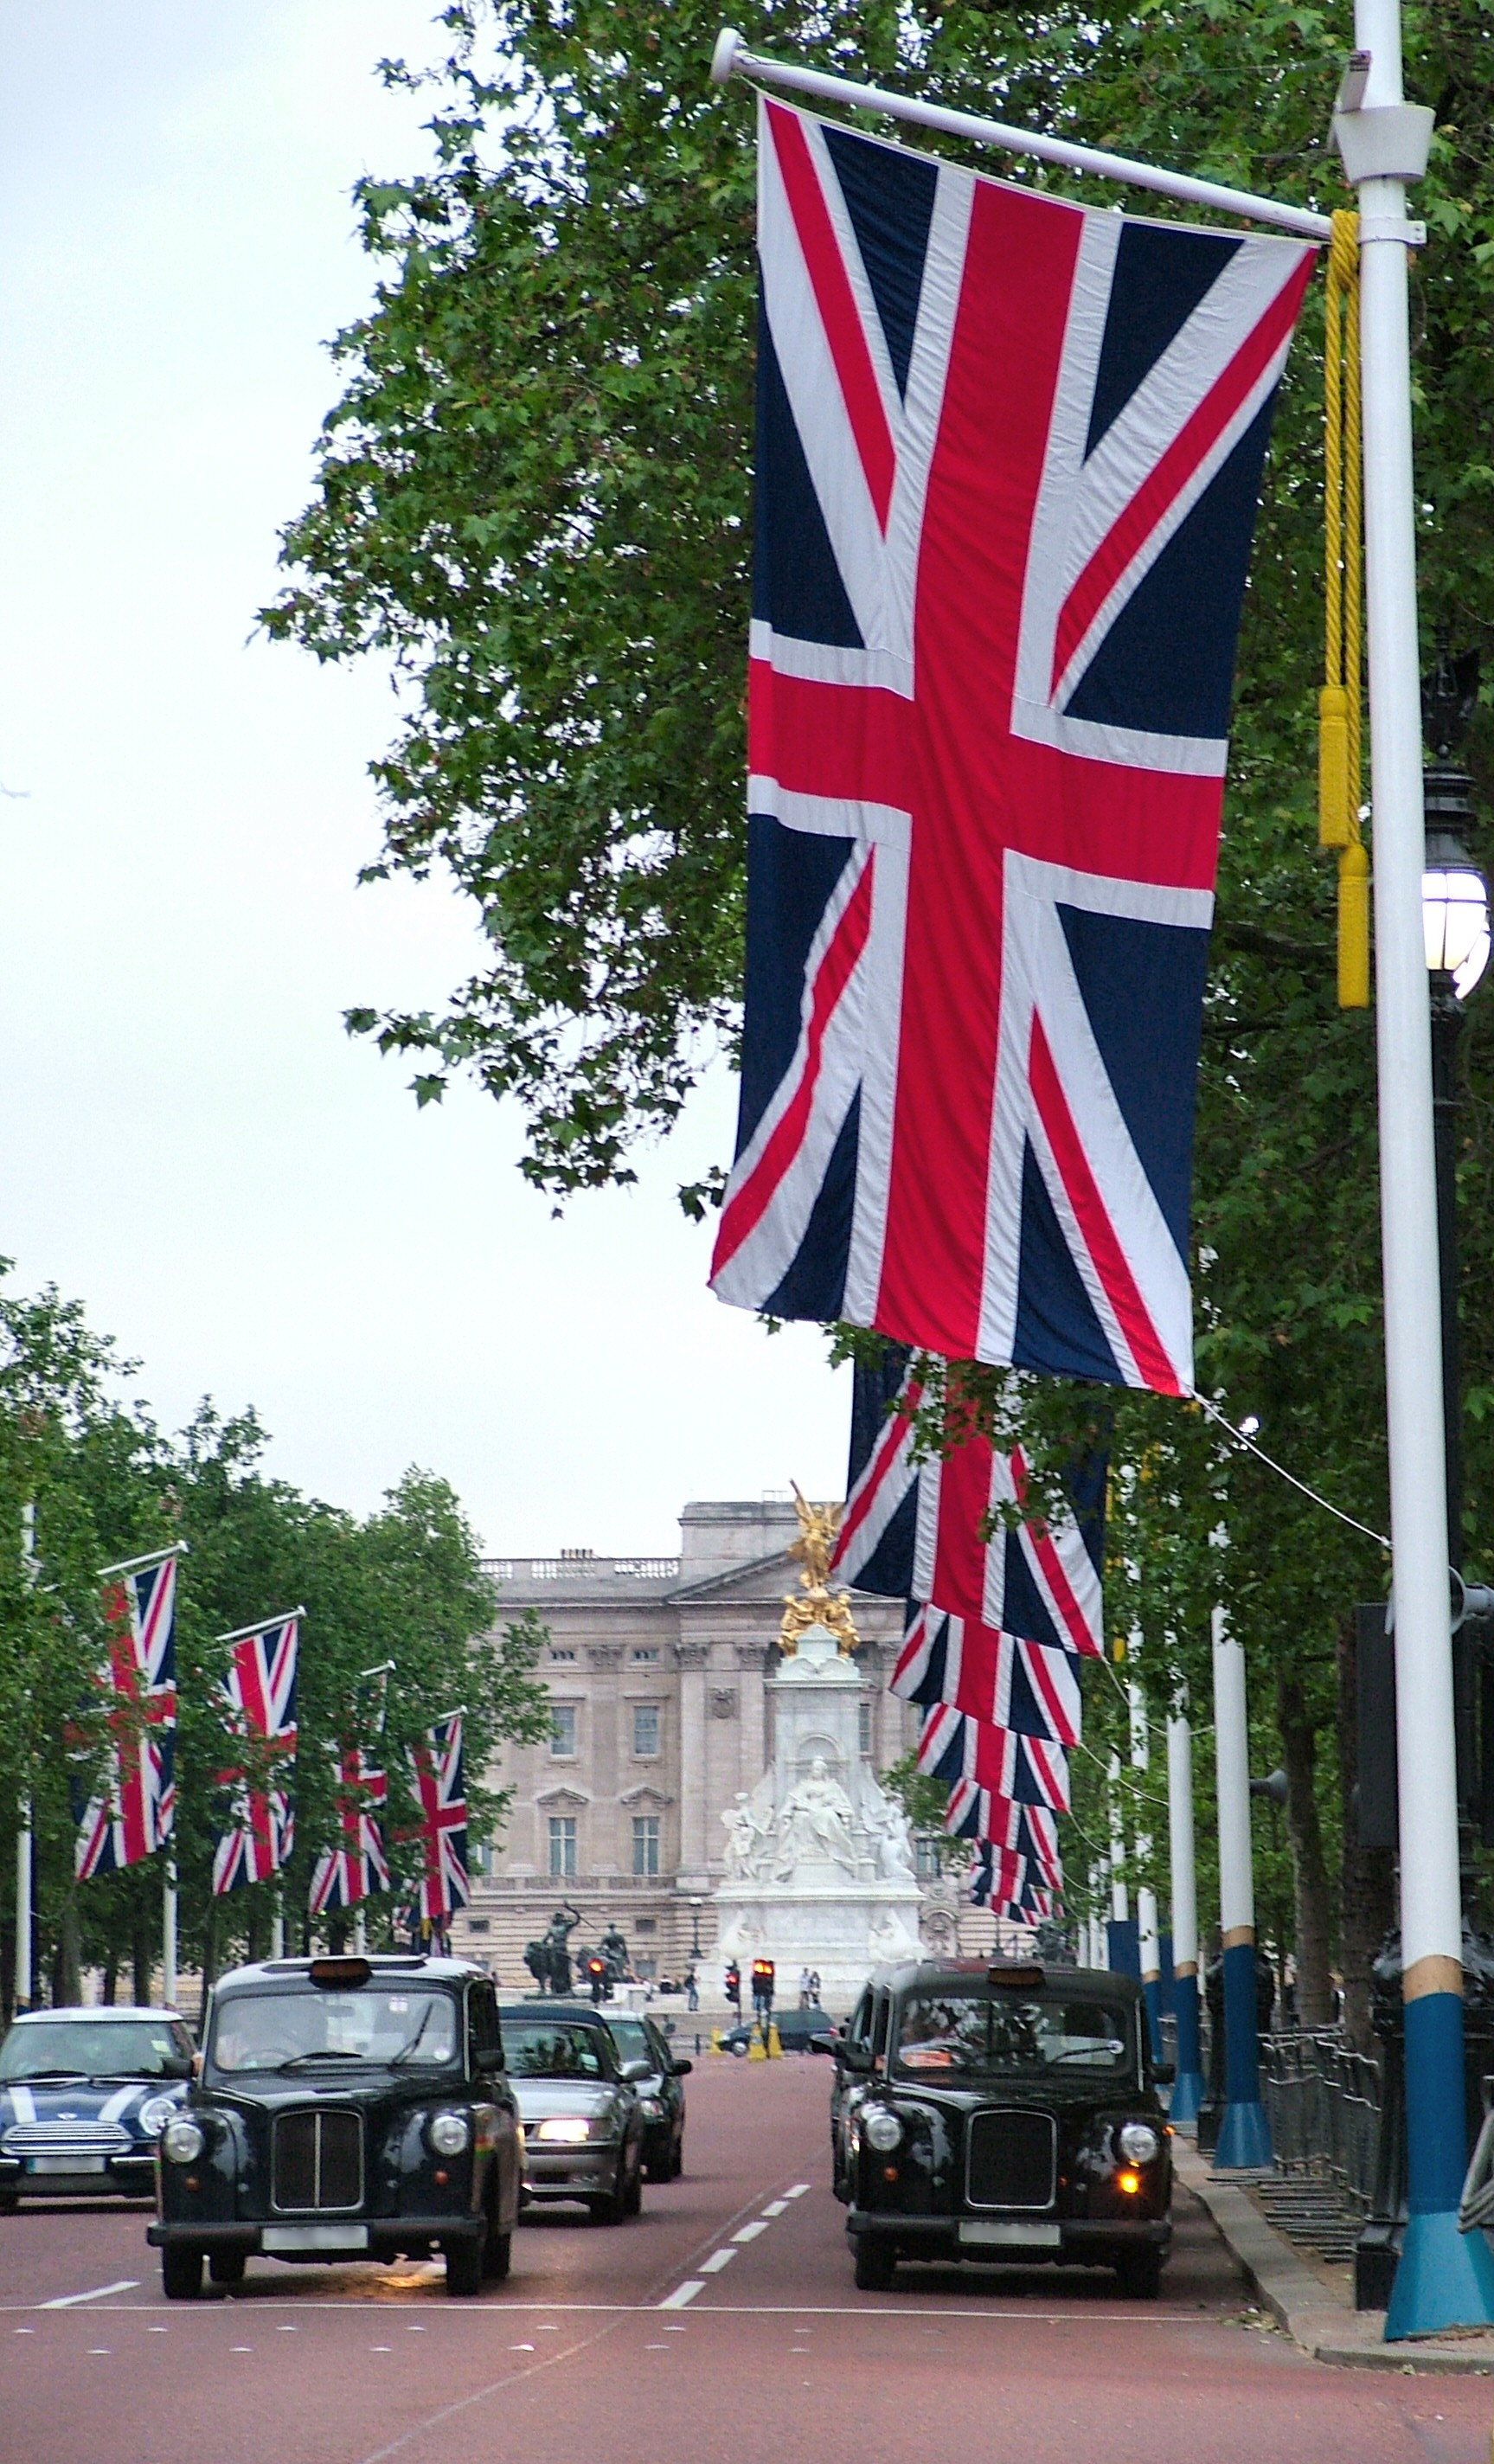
<point>695,1907</point>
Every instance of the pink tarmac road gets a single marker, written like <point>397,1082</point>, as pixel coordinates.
<point>644,2343</point>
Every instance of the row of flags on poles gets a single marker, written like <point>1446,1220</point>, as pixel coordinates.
<point>1008,461</point>
<point>131,1812</point>
<point>1002,1607</point>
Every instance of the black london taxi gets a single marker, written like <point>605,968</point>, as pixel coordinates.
<point>346,2108</point>
<point>1003,2114</point>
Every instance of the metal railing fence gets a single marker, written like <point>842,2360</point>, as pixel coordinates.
<point>1322,2102</point>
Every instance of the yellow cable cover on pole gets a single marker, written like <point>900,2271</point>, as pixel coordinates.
<point>1340,738</point>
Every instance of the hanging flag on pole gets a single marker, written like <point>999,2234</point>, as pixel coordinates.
<point>990,1676</point>
<point>1008,458</point>
<point>916,1530</point>
<point>259,1699</point>
<point>133,1812</point>
<point>441,1788</point>
<point>357,1866</point>
<point>1025,1769</point>
<point>978,1813</point>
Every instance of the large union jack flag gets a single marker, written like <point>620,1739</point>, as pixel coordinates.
<point>441,1788</point>
<point>1025,1771</point>
<point>132,1815</point>
<point>916,1530</point>
<point>259,1698</point>
<point>357,1866</point>
<point>1008,459</point>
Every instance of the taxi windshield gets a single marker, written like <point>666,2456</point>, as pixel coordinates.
<point>631,2039</point>
<point>980,2036</point>
<point>553,2049</point>
<point>93,2049</point>
<point>298,2029</point>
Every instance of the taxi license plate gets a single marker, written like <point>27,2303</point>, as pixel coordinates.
<point>1004,2235</point>
<point>288,2237</point>
<point>64,2163</point>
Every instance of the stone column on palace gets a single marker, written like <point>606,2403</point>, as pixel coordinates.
<point>693,1794</point>
<point>752,1744</point>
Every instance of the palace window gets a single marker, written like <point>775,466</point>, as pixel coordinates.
<point>562,1654</point>
<point>864,1721</point>
<point>562,1729</point>
<point>645,1659</point>
<point>562,1847</point>
<point>646,1844</point>
<point>646,1727</point>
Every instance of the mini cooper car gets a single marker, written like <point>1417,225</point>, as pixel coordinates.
<point>84,2095</point>
<point>347,2108</point>
<point>661,2098</point>
<point>1004,2113</point>
<point>584,2125</point>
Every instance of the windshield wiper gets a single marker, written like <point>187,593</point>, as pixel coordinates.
<point>79,2077</point>
<point>326,2054</point>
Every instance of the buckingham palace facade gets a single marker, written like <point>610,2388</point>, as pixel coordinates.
<point>655,1668</point>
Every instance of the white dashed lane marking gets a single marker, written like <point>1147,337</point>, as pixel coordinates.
<point>684,2293</point>
<point>718,2259</point>
<point>750,2232</point>
<point>99,2293</point>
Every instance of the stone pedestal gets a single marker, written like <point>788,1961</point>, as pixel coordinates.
<point>819,1859</point>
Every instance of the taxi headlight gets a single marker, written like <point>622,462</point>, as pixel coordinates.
<point>183,2139</point>
<point>154,2115</point>
<point>450,2133</point>
<point>882,2130</point>
<point>565,2129</point>
<point>1139,2143</point>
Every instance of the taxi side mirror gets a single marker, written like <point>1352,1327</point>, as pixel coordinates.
<point>178,2066</point>
<point>1164,2073</point>
<point>487,2059</point>
<point>682,2069</point>
<point>858,2059</point>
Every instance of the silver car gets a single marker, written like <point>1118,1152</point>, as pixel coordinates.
<point>584,2125</point>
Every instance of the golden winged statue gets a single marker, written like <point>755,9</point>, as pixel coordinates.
<point>813,1604</point>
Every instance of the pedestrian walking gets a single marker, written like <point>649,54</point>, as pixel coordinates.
<point>814,1988</point>
<point>691,1990</point>
<point>804,1988</point>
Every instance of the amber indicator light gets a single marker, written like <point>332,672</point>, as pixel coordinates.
<point>1129,2183</point>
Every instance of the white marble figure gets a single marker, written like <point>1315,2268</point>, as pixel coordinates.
<point>891,1938</point>
<point>816,1824</point>
<point>893,1836</point>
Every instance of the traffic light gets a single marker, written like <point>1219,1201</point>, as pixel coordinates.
<point>597,1975</point>
<point>733,1987</point>
<point>763,1975</point>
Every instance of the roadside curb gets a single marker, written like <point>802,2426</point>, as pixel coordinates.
<point>1321,2325</point>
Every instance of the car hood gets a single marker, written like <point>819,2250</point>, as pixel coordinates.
<point>276,2091</point>
<point>538,2098</point>
<point>31,2103</point>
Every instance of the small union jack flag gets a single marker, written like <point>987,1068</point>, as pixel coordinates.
<point>259,1697</point>
<point>441,1787</point>
<point>357,1866</point>
<point>989,1676</point>
<point>978,1814</point>
<point>133,1812</point>
<point>1024,1769</point>
<point>917,1530</point>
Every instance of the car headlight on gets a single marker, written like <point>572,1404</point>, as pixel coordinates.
<point>154,2113</point>
<point>882,2130</point>
<point>1139,2143</point>
<point>563,2130</point>
<point>183,2139</point>
<point>450,2133</point>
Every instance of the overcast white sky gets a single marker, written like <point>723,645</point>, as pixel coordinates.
<point>245,1199</point>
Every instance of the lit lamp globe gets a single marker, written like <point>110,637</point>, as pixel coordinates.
<point>1455,913</point>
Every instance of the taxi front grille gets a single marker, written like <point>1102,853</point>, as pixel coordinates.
<point>1011,2160</point>
<point>317,2160</point>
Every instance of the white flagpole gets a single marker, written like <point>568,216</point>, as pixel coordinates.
<point>1445,2279</point>
<point>168,1934</point>
<point>25,1841</point>
<point>732,58</point>
<point>1244,2140</point>
<point>1188,2087</point>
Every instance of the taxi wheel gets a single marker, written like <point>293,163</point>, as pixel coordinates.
<point>181,2272</point>
<point>678,2165</point>
<point>633,2195</point>
<point>876,2265</point>
<point>10,2201</point>
<point>226,2266</point>
<point>463,2266</point>
<point>1140,2273</point>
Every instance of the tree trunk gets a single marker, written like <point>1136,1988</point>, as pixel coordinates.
<point>1309,1871</point>
<point>111,1978</point>
<point>1367,1879</point>
<point>70,1966</point>
<point>210,1953</point>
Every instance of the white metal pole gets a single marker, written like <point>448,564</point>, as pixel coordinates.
<point>25,1956</point>
<point>1445,2279</point>
<point>1188,2087</point>
<point>277,1931</point>
<point>1120,1904</point>
<point>1244,2140</point>
<point>1145,1897</point>
<point>168,1935</point>
<point>732,58</point>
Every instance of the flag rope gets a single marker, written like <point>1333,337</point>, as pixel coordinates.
<point>1340,729</point>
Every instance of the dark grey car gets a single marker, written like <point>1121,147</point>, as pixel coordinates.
<point>660,2093</point>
